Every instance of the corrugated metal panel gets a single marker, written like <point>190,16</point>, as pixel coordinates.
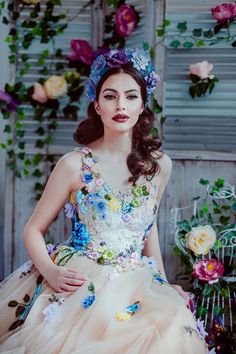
<point>205,123</point>
<point>81,27</point>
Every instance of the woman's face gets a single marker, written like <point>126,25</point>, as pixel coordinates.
<point>119,103</point>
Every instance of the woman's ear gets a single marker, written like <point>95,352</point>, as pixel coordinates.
<point>96,107</point>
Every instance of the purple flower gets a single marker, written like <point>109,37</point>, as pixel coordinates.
<point>11,103</point>
<point>201,329</point>
<point>126,20</point>
<point>69,210</point>
<point>152,79</point>
<point>116,58</point>
<point>51,248</point>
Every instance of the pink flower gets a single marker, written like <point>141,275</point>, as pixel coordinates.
<point>224,12</point>
<point>81,50</point>
<point>40,94</point>
<point>201,69</point>
<point>209,270</point>
<point>126,20</point>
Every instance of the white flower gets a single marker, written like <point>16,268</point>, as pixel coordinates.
<point>51,309</point>
<point>201,329</point>
<point>200,239</point>
<point>150,263</point>
<point>88,161</point>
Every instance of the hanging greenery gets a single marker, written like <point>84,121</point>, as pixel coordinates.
<point>57,93</point>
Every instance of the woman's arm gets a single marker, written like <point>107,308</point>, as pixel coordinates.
<point>64,179</point>
<point>152,246</point>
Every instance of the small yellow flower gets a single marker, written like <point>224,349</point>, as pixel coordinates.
<point>123,316</point>
<point>72,199</point>
<point>114,204</point>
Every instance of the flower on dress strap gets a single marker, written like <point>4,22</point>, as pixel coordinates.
<point>87,177</point>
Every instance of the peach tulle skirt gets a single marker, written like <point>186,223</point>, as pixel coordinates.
<point>58,323</point>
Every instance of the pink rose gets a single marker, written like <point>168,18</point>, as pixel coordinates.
<point>209,270</point>
<point>81,50</point>
<point>40,94</point>
<point>201,69</point>
<point>126,20</point>
<point>224,12</point>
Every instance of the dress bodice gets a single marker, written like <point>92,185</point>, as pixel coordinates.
<point>108,224</point>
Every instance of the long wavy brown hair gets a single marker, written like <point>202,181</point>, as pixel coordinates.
<point>145,147</point>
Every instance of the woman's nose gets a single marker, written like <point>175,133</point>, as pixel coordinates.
<point>120,104</point>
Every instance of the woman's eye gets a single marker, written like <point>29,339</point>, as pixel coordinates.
<point>132,97</point>
<point>110,97</point>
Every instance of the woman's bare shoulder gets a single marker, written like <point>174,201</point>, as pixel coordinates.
<point>164,162</point>
<point>70,165</point>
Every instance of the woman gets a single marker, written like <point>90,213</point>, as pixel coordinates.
<point>105,289</point>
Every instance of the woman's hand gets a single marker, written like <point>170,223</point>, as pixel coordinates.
<point>181,292</point>
<point>63,279</point>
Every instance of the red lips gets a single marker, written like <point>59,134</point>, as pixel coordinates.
<point>120,117</point>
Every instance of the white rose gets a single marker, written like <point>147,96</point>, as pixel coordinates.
<point>55,86</point>
<point>200,239</point>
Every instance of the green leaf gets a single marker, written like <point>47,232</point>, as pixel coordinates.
<point>184,225</point>
<point>197,32</point>
<point>175,44</point>
<point>188,45</point>
<point>220,182</point>
<point>160,32</point>
<point>218,310</point>
<point>204,181</point>
<point>233,207</point>
<point>7,128</point>
<point>166,23</point>
<point>224,220</point>
<point>156,106</point>
<point>200,43</point>
<point>191,91</point>
<point>13,303</point>
<point>208,34</point>
<point>233,44</point>
<point>207,290</point>
<point>201,311</point>
<point>182,26</point>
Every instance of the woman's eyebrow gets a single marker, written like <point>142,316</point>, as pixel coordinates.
<point>110,89</point>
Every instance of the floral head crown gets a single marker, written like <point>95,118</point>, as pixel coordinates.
<point>139,58</point>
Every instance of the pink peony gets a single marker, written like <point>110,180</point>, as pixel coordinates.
<point>40,94</point>
<point>126,20</point>
<point>224,12</point>
<point>201,69</point>
<point>81,50</point>
<point>209,270</point>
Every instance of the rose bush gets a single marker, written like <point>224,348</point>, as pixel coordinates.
<point>224,12</point>
<point>126,20</point>
<point>200,239</point>
<point>202,79</point>
<point>209,270</point>
<point>202,69</point>
<point>81,50</point>
<point>55,87</point>
<point>40,94</point>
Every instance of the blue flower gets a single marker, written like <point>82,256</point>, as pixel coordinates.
<point>79,197</point>
<point>91,91</point>
<point>80,236</point>
<point>152,79</point>
<point>126,208</point>
<point>83,208</point>
<point>100,206</point>
<point>88,301</point>
<point>87,177</point>
<point>98,67</point>
<point>133,308</point>
<point>157,278</point>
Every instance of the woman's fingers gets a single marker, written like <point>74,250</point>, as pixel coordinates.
<point>69,288</point>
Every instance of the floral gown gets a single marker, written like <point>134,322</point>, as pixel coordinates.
<point>124,307</point>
